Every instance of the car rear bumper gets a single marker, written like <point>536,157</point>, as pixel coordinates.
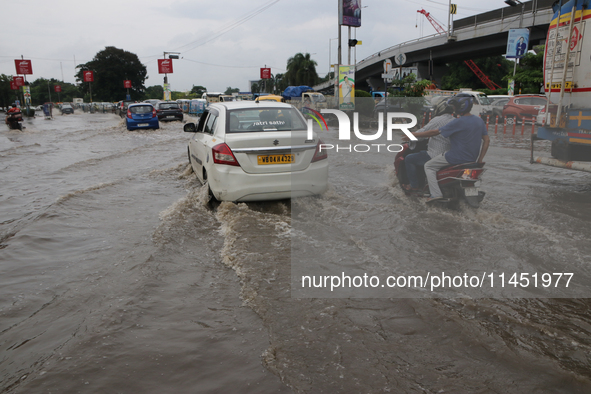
<point>229,183</point>
<point>170,117</point>
<point>134,125</point>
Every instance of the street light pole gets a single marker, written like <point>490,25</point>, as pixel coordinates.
<point>330,40</point>
<point>171,55</point>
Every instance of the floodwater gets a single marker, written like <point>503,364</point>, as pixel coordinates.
<point>117,276</point>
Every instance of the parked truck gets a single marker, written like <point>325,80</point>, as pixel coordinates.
<point>567,78</point>
<point>304,97</point>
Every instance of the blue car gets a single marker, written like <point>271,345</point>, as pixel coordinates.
<point>141,116</point>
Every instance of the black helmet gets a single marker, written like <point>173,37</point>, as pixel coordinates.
<point>13,105</point>
<point>442,107</point>
<point>462,103</point>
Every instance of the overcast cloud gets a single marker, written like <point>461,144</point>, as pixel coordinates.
<point>222,43</point>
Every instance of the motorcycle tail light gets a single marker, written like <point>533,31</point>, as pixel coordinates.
<point>471,174</point>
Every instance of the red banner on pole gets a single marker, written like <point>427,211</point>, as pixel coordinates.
<point>265,73</point>
<point>88,76</point>
<point>13,85</point>
<point>23,66</point>
<point>19,81</point>
<point>127,84</point>
<point>57,88</point>
<point>164,66</point>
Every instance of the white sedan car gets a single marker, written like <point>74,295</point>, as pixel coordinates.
<point>251,151</point>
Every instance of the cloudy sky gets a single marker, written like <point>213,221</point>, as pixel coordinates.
<point>222,43</point>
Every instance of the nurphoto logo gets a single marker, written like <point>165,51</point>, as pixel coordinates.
<point>345,130</point>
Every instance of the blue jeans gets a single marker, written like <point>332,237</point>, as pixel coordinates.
<point>415,162</point>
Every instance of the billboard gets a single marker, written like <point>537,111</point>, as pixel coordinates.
<point>88,76</point>
<point>517,43</point>
<point>265,73</point>
<point>167,92</point>
<point>347,87</point>
<point>19,81</point>
<point>27,94</point>
<point>23,66</point>
<point>350,13</point>
<point>164,66</point>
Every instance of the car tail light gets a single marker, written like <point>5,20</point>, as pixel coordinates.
<point>222,154</point>
<point>318,154</point>
<point>129,114</point>
<point>154,114</point>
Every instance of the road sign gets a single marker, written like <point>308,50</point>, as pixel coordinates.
<point>400,59</point>
<point>387,66</point>
<point>453,9</point>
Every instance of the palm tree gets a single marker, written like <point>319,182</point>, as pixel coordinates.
<point>301,70</point>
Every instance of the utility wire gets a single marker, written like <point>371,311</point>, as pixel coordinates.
<point>207,39</point>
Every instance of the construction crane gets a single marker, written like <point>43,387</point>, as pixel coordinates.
<point>435,24</point>
<point>483,77</point>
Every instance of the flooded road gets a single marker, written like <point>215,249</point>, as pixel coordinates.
<point>116,276</point>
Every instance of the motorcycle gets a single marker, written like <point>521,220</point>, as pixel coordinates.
<point>14,120</point>
<point>457,182</point>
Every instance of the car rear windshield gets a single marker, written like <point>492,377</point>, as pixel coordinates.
<point>141,109</point>
<point>265,119</point>
<point>168,106</point>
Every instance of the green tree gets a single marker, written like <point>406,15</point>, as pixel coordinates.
<point>529,75</point>
<point>230,90</point>
<point>279,83</point>
<point>111,67</point>
<point>7,95</point>
<point>301,70</point>
<point>43,91</point>
<point>198,90</point>
<point>155,92</point>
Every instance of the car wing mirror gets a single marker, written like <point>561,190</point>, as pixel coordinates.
<point>189,128</point>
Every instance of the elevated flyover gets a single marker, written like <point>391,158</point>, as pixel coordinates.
<point>474,37</point>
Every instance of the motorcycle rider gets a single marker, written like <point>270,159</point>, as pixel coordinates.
<point>468,137</point>
<point>13,109</point>
<point>437,144</point>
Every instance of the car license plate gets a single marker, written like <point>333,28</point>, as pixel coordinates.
<point>471,191</point>
<point>171,116</point>
<point>143,124</point>
<point>275,159</point>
